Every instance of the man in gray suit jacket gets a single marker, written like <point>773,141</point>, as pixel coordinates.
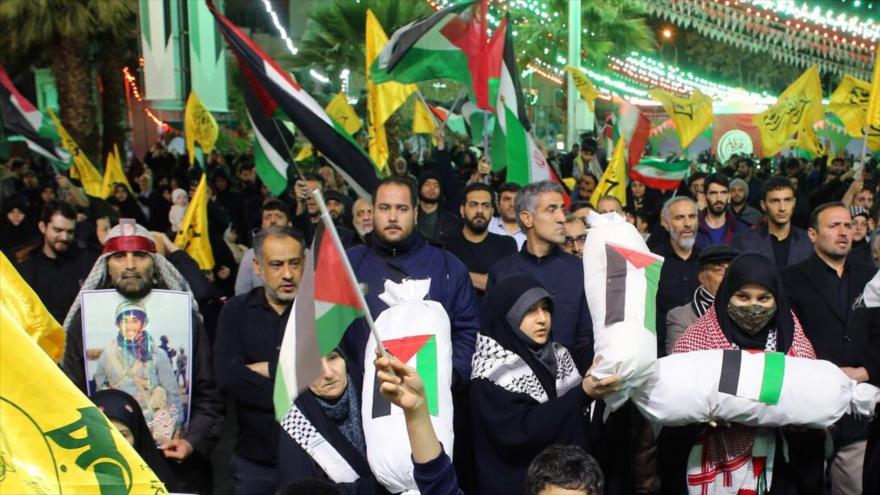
<point>713,261</point>
<point>777,238</point>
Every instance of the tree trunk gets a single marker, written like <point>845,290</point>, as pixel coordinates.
<point>113,109</point>
<point>73,76</point>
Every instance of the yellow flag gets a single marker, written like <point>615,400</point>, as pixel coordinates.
<point>80,166</point>
<point>193,235</point>
<point>52,439</point>
<point>798,107</point>
<point>850,103</point>
<point>808,141</point>
<point>113,174</point>
<point>690,115</point>
<point>423,122</point>
<point>613,181</point>
<point>199,126</point>
<point>382,99</point>
<point>342,112</point>
<point>584,86</point>
<point>305,152</point>
<point>873,117</point>
<point>21,307</point>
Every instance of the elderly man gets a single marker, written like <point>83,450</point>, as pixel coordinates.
<point>678,277</point>
<point>713,265</point>
<point>541,212</point>
<point>362,219</point>
<point>249,334</point>
<point>130,265</point>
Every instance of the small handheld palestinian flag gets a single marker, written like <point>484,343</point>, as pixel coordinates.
<point>327,302</point>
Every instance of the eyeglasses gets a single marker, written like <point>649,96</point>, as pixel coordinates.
<point>569,241</point>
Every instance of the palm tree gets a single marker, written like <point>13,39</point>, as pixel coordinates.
<point>64,30</point>
<point>334,37</point>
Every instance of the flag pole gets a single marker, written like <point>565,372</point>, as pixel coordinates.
<point>328,224</point>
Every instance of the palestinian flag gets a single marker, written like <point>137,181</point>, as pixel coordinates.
<point>22,118</point>
<point>756,376</point>
<point>628,271</point>
<point>420,352</point>
<point>453,121</point>
<point>326,304</point>
<point>657,173</point>
<point>450,44</point>
<point>512,143</point>
<point>272,146</point>
<point>275,90</point>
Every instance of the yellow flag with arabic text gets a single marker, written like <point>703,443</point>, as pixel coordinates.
<point>113,174</point>
<point>382,99</point>
<point>808,141</point>
<point>613,181</point>
<point>798,107</point>
<point>199,126</point>
<point>80,166</point>
<point>690,115</point>
<point>52,438</point>
<point>21,308</point>
<point>584,86</point>
<point>342,112</point>
<point>193,236</point>
<point>873,117</point>
<point>850,103</point>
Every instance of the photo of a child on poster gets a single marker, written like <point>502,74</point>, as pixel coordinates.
<point>136,347</point>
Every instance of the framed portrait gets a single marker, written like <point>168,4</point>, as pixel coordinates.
<point>144,348</point>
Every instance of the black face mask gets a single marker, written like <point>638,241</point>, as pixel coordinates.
<point>752,318</point>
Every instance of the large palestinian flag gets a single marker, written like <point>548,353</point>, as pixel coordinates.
<point>22,118</point>
<point>450,44</point>
<point>273,143</point>
<point>276,90</point>
<point>326,304</point>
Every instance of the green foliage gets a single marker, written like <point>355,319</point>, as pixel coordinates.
<point>334,37</point>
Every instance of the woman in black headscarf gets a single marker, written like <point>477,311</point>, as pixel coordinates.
<point>17,227</point>
<point>750,312</point>
<point>526,392</point>
<point>126,415</point>
<point>322,436</point>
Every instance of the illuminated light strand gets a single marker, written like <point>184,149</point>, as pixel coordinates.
<point>131,82</point>
<point>851,24</point>
<point>281,31</point>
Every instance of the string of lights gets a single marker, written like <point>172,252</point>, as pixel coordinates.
<point>281,31</point>
<point>131,82</point>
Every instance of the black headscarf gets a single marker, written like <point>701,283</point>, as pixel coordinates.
<point>118,405</point>
<point>755,268</point>
<point>502,313</point>
<point>14,236</point>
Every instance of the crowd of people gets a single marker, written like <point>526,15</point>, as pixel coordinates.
<point>765,255</point>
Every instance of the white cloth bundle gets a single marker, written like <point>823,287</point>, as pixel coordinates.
<point>620,282</point>
<point>418,333</point>
<point>755,389</point>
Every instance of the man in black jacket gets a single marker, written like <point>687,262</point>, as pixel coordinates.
<point>822,292</point>
<point>130,265</point>
<point>777,239</point>
<point>249,335</point>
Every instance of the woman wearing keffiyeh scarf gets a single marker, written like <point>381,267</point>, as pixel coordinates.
<point>750,312</point>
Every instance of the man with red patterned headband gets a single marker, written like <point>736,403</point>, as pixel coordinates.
<point>129,263</point>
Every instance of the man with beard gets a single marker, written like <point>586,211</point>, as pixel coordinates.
<point>679,275</point>
<point>435,223</point>
<point>475,246</point>
<point>56,270</point>
<point>130,265</point>
<point>273,212</point>
<point>739,196</point>
<point>362,219</point>
<point>249,334</point>
<point>308,213</point>
<point>745,170</point>
<point>575,235</point>
<point>717,225</point>
<point>824,291</point>
<point>505,223</point>
<point>777,239</point>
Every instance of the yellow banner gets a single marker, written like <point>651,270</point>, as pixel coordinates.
<point>193,236</point>
<point>808,141</point>
<point>342,112</point>
<point>690,115</point>
<point>113,174</point>
<point>382,99</point>
<point>584,86</point>
<point>423,122</point>
<point>850,103</point>
<point>21,308</point>
<point>613,181</point>
<point>52,439</point>
<point>798,107</point>
<point>80,166</point>
<point>873,117</point>
<point>199,126</point>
